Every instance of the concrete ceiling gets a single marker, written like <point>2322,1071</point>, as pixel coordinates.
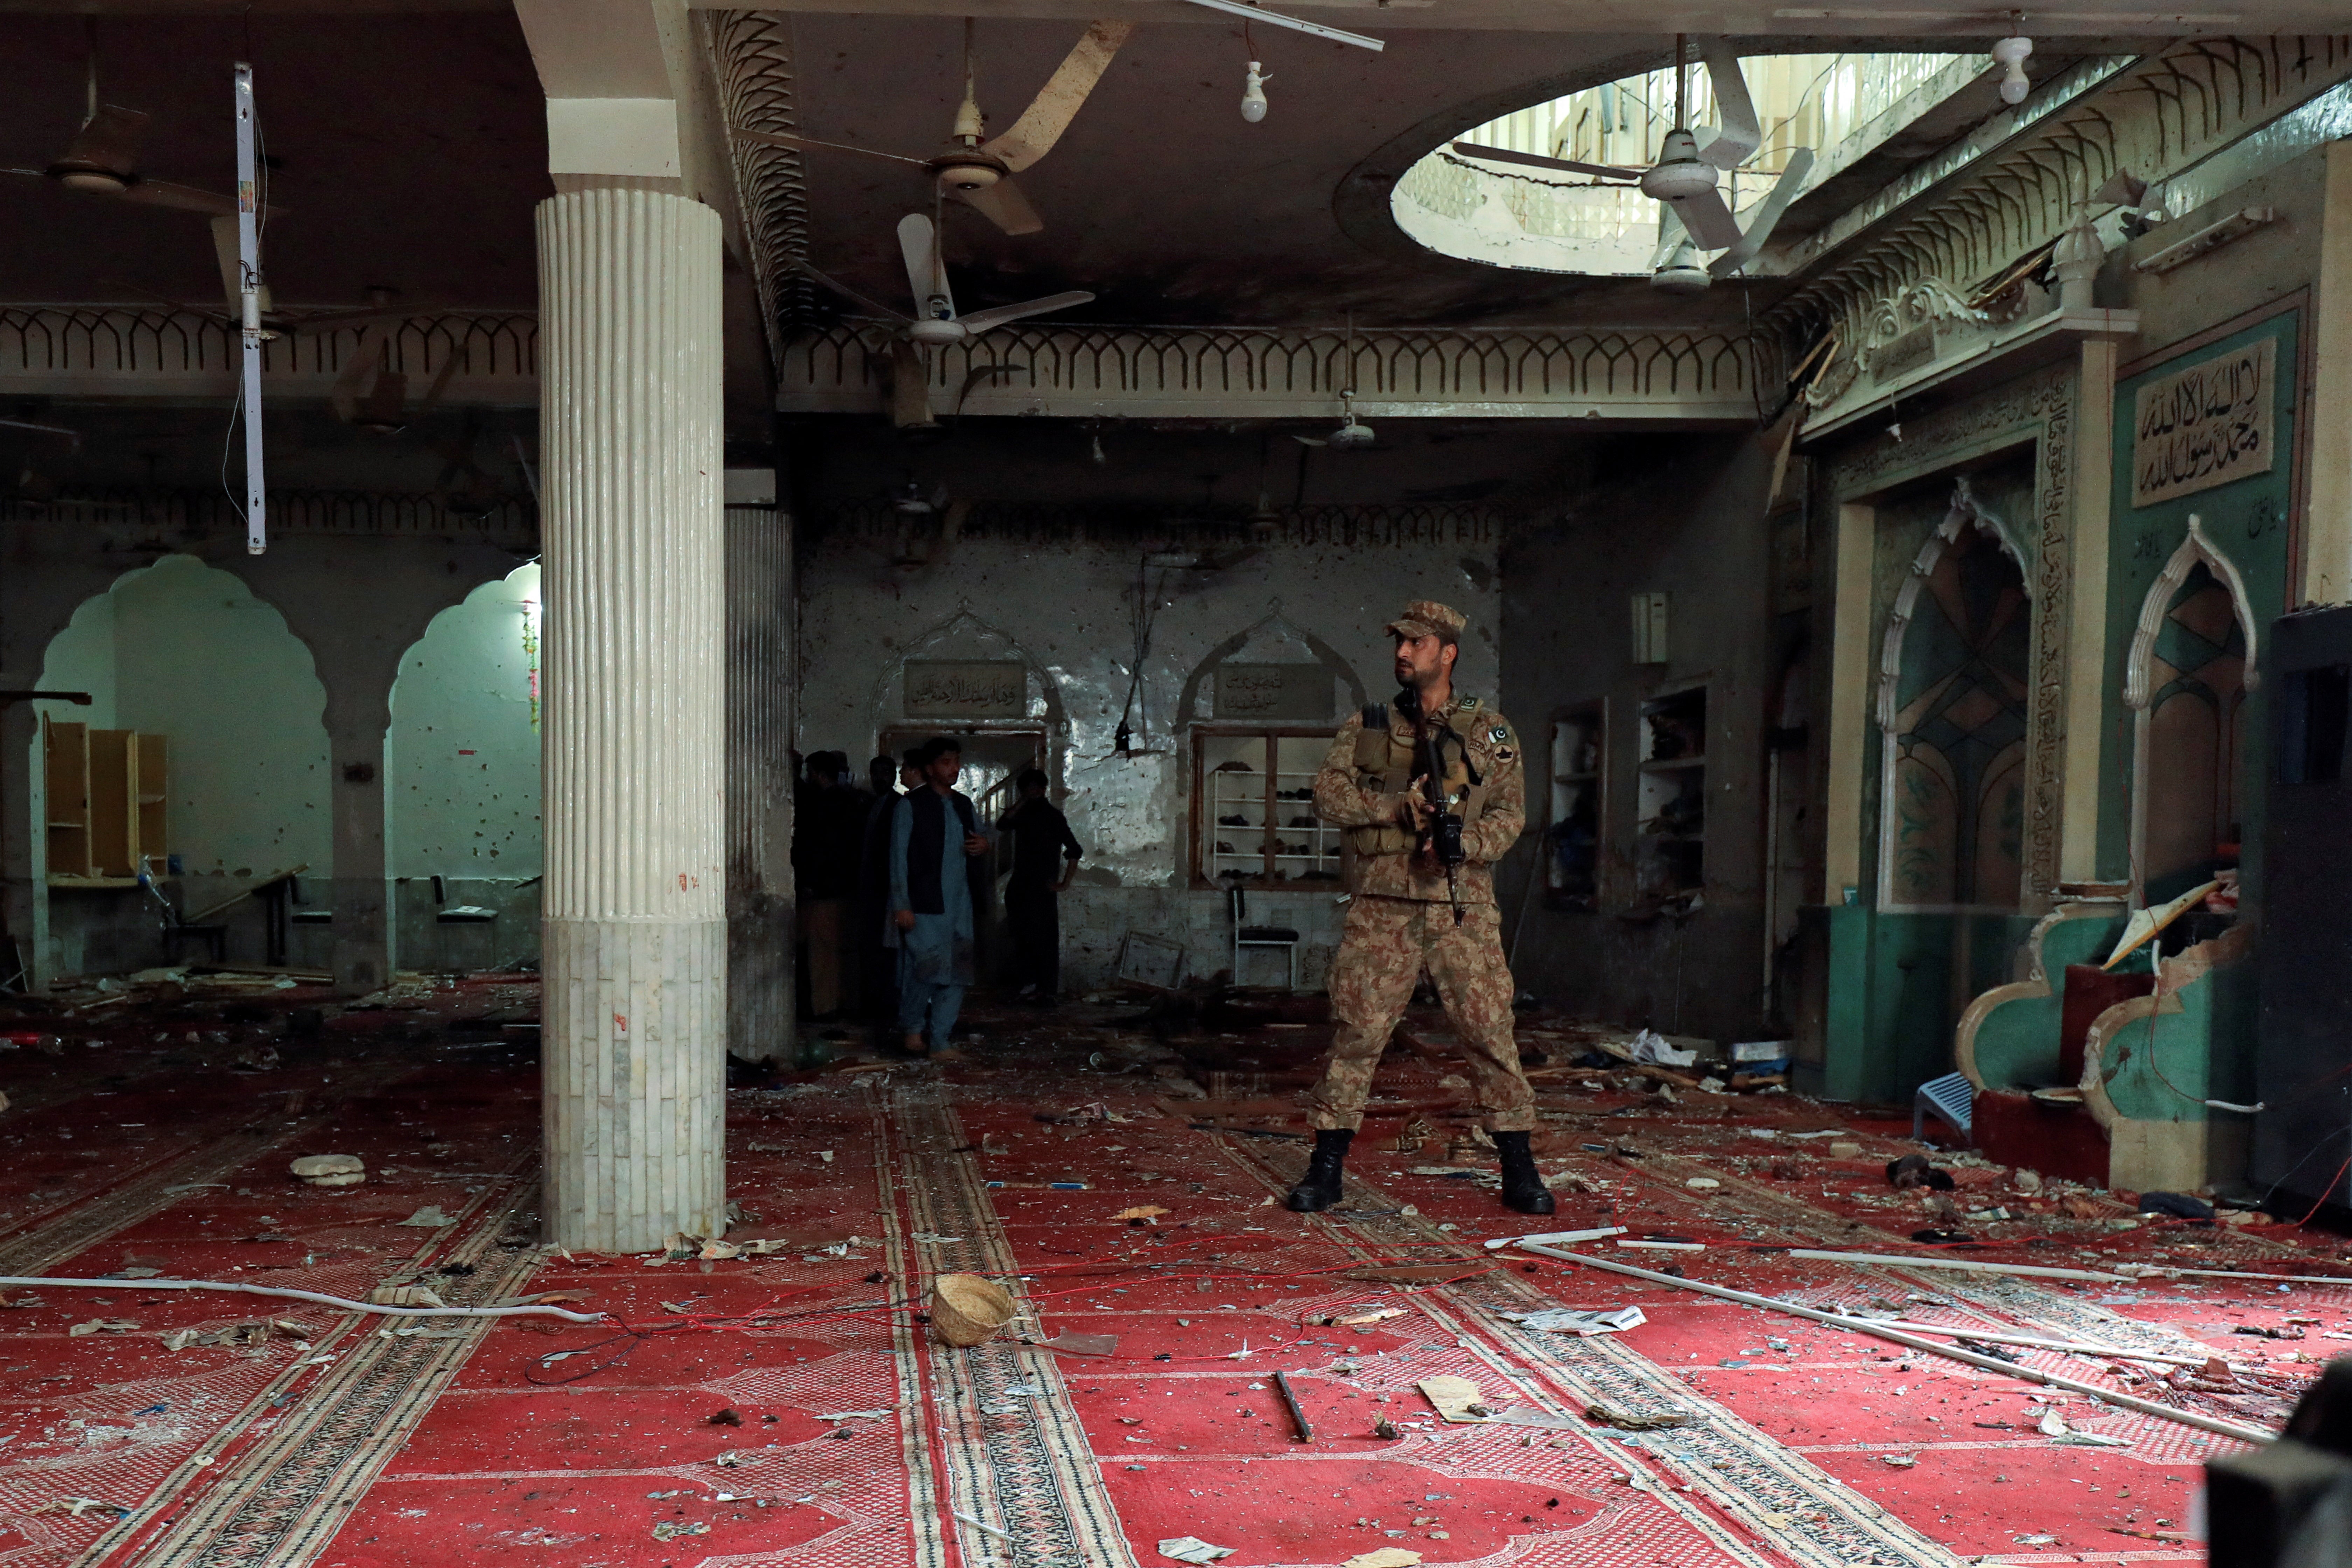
<point>409,152</point>
<point>1172,209</point>
<point>410,145</point>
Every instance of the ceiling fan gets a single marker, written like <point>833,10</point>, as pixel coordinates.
<point>1352,436</point>
<point>371,395</point>
<point>977,169</point>
<point>1685,178</point>
<point>103,159</point>
<point>936,323</point>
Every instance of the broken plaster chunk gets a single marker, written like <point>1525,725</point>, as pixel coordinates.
<point>1455,1399</point>
<point>331,1170</point>
<point>430,1215</point>
<point>1845,1148</point>
<point>1193,1548</point>
<point>1385,1557</point>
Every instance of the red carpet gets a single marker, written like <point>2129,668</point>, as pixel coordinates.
<point>850,1440</point>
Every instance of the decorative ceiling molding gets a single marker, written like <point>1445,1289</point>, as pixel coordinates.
<point>137,518</point>
<point>1250,372</point>
<point>1427,527</point>
<point>125,351</point>
<point>751,57</point>
<point>2156,119</point>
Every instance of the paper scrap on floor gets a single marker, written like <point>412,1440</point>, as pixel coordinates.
<point>1568,1321</point>
<point>1193,1548</point>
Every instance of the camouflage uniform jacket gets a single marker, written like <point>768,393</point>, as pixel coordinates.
<point>1369,801</point>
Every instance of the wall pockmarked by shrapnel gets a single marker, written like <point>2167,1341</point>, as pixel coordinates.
<point>966,689</point>
<point>2206,424</point>
<point>1273,691</point>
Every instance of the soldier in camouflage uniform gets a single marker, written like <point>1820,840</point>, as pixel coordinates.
<point>1411,913</point>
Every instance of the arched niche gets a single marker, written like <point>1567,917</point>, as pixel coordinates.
<point>186,651</point>
<point>462,808</point>
<point>1273,640</point>
<point>1953,685</point>
<point>1255,713</point>
<point>964,678</point>
<point>2193,660</point>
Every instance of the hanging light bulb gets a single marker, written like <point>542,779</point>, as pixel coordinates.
<point>1253,94</point>
<point>2011,54</point>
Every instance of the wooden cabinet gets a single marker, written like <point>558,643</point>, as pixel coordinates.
<point>106,811</point>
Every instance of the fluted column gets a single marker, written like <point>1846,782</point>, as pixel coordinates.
<point>636,932</point>
<point>760,892</point>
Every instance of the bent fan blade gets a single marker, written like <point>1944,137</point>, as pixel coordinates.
<point>1049,114</point>
<point>1736,134</point>
<point>1765,216</point>
<point>1537,161</point>
<point>1708,219</point>
<point>1002,205</point>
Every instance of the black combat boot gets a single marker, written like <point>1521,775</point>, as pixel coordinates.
<point>1318,1189</point>
<point>1523,1186</point>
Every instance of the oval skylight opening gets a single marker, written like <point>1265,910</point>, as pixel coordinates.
<point>1842,106</point>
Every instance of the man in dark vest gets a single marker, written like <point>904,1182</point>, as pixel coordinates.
<point>935,837</point>
<point>1430,790</point>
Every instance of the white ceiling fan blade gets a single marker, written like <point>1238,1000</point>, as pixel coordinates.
<point>926,279</point>
<point>1736,134</point>
<point>1765,216</point>
<point>1002,205</point>
<point>1708,219</point>
<point>1049,113</point>
<point>997,315</point>
<point>1537,161</point>
<point>778,139</point>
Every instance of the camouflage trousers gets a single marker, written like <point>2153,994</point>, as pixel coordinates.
<point>1386,945</point>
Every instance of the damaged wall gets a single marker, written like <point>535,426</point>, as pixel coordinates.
<point>1686,515</point>
<point>1055,588</point>
<point>182,650</point>
<point>462,772</point>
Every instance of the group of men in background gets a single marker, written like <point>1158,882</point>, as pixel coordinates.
<point>894,884</point>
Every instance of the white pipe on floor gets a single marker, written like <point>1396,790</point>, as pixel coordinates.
<point>1864,1325</point>
<point>1952,1330</point>
<point>34,1281</point>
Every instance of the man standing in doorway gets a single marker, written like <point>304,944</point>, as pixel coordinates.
<point>1044,858</point>
<point>1431,791</point>
<point>935,837</point>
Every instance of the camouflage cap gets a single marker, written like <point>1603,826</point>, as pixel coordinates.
<point>1427,617</point>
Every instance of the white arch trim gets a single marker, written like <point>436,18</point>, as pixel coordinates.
<point>1964,511</point>
<point>2153,609</point>
<point>2138,693</point>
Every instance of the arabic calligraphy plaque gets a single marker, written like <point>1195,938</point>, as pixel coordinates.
<point>966,689</point>
<point>1273,691</point>
<point>2205,424</point>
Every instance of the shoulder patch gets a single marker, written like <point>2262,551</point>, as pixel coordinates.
<point>1499,734</point>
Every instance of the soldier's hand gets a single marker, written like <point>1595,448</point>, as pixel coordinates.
<point>1415,812</point>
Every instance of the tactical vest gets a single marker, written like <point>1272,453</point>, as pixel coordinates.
<point>1389,763</point>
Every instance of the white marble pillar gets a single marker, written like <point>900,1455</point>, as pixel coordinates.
<point>632,527</point>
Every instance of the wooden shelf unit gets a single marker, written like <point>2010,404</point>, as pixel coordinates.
<point>107,812</point>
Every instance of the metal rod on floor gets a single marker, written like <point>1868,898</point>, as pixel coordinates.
<point>1290,1398</point>
<point>1863,1325</point>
